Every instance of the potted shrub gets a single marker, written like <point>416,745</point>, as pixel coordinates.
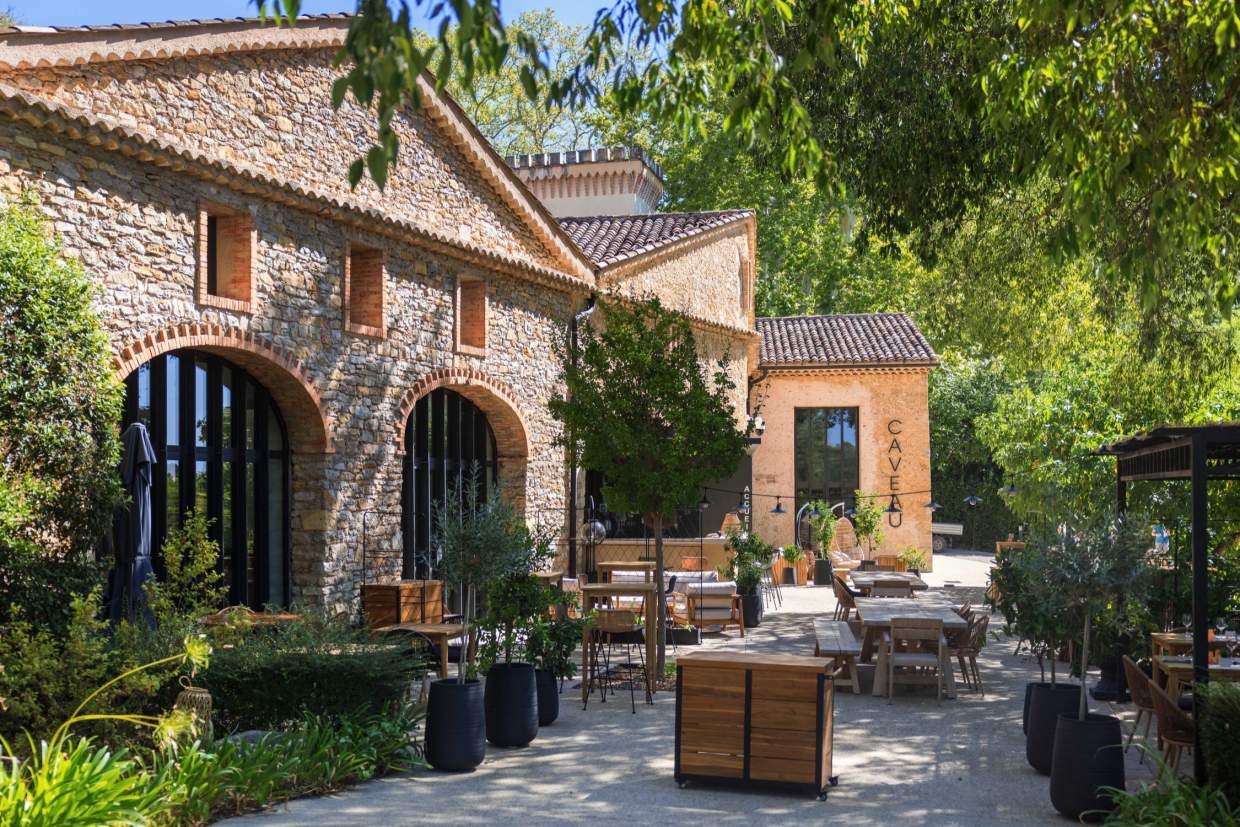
<point>913,558</point>
<point>822,530</point>
<point>792,564</point>
<point>750,557</point>
<point>1038,613</point>
<point>1091,567</point>
<point>550,645</point>
<point>514,604</point>
<point>476,541</point>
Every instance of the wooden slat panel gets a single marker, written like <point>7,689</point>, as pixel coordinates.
<point>772,686</point>
<point>727,658</point>
<point>696,716</point>
<point>782,743</point>
<point>791,715</point>
<point>728,766</point>
<point>781,769</point>
<point>718,739</point>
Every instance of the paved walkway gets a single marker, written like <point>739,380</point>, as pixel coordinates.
<point>913,762</point>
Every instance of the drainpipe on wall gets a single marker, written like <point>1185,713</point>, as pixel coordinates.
<point>572,449</point>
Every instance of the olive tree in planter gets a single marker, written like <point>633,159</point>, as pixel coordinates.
<point>550,645</point>
<point>641,409</point>
<point>867,522</point>
<point>1092,566</point>
<point>480,540</point>
<point>514,603</point>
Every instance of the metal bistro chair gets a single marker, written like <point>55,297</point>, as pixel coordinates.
<point>773,594</point>
<point>616,627</point>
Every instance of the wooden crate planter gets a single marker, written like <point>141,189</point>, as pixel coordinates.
<point>408,601</point>
<point>754,718</point>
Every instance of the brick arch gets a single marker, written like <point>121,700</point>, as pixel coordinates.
<point>493,397</point>
<point>282,374</point>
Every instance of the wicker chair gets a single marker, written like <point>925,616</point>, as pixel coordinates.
<point>844,603</point>
<point>1175,727</point>
<point>973,642</point>
<point>909,642</point>
<point>1142,698</point>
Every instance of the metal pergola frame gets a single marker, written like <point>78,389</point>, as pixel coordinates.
<point>1197,453</point>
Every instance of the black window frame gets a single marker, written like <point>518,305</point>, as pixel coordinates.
<point>255,591</point>
<point>835,485</point>
<point>446,436</point>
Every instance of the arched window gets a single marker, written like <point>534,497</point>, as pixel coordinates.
<point>445,437</point>
<point>222,451</point>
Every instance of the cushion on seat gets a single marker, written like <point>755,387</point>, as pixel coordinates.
<point>711,613</point>
<point>723,587</point>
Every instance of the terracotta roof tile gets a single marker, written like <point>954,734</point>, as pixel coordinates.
<point>854,339</point>
<point>164,24</point>
<point>609,239</point>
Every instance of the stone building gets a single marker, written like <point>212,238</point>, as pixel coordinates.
<point>318,364</point>
<point>845,401</point>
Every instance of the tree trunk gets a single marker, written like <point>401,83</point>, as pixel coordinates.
<point>1053,654</point>
<point>1084,708</point>
<point>660,606</point>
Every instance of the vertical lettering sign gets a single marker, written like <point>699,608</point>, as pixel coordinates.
<point>746,508</point>
<point>895,457</point>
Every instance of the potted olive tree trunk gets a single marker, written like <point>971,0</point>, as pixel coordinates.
<point>1091,567</point>
<point>481,541</point>
<point>1040,615</point>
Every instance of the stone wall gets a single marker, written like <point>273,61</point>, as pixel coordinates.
<point>707,279</point>
<point>893,408</point>
<point>271,110</point>
<point>344,396</point>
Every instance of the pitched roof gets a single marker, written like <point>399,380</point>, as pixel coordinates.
<point>24,48</point>
<point>877,339</point>
<point>611,239</point>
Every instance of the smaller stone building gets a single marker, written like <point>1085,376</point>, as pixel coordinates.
<point>846,404</point>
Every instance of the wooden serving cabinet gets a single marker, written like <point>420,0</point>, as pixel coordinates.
<point>754,718</point>
<point>406,601</point>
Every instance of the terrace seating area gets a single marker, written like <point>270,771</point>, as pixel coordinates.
<point>903,751</point>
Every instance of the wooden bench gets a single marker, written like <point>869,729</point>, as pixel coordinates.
<point>834,639</point>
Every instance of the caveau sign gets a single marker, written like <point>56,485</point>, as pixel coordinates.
<point>891,470</point>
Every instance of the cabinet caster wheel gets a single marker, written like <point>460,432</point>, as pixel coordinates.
<point>822,796</point>
<point>834,781</point>
<point>682,784</point>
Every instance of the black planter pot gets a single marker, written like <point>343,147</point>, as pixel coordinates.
<point>1024,721</point>
<point>822,572</point>
<point>455,725</point>
<point>1088,756</point>
<point>511,702</point>
<point>790,576</point>
<point>548,696</point>
<point>682,636</point>
<point>751,609</point>
<point>1113,684</point>
<point>1046,704</point>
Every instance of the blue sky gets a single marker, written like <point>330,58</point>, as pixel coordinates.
<point>97,12</point>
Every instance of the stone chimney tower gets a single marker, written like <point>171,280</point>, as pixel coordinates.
<point>620,180</point>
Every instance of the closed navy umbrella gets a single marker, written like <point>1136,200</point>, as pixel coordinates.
<point>133,544</point>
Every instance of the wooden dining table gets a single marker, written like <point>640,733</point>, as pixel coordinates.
<point>606,569</point>
<point>1181,643</point>
<point>1174,672</point>
<point>593,594</point>
<point>865,580</point>
<point>440,634</point>
<point>876,614</point>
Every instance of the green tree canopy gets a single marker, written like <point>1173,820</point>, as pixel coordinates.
<point>639,408</point>
<point>59,409</point>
